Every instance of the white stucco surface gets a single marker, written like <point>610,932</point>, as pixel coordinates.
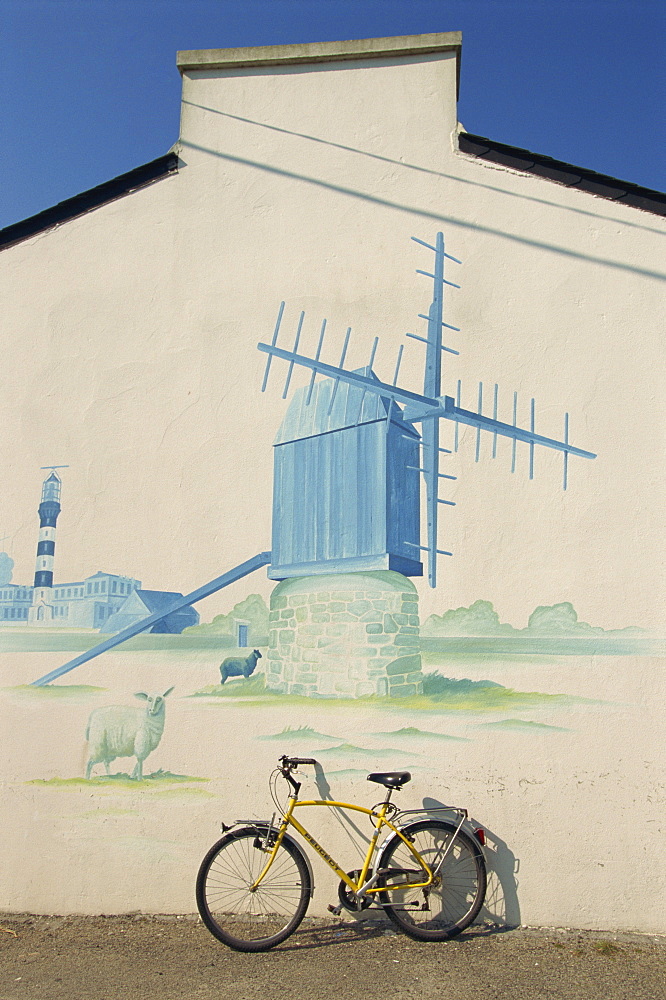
<point>130,353</point>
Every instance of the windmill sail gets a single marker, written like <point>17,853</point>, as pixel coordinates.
<point>430,406</point>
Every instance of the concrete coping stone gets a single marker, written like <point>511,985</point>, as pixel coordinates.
<point>314,52</point>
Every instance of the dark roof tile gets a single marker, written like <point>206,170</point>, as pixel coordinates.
<point>563,173</point>
<point>72,208</point>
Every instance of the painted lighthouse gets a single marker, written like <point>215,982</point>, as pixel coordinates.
<point>41,612</point>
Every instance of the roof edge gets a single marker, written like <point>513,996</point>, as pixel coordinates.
<point>316,52</point>
<point>84,202</point>
<point>601,185</point>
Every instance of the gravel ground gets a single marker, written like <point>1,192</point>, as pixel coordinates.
<point>173,958</point>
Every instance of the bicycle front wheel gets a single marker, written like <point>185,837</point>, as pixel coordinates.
<point>447,907</point>
<point>245,919</point>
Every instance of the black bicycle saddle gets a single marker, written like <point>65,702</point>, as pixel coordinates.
<point>390,779</point>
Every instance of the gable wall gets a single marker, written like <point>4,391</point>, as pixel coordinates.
<point>130,353</point>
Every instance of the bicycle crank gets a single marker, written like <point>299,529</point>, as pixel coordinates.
<point>348,898</point>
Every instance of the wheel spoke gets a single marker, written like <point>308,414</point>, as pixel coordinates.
<point>252,920</point>
<point>453,902</point>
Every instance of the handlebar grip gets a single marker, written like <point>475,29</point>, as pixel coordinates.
<point>297,761</point>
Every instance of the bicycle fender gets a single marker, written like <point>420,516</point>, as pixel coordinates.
<point>262,826</point>
<point>423,814</point>
<point>390,837</point>
<point>404,829</point>
<point>381,850</point>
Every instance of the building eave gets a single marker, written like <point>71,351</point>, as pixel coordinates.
<point>81,204</point>
<point>601,185</point>
<point>514,157</point>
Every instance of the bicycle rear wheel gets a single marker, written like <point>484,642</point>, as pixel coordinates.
<point>448,906</point>
<point>258,920</point>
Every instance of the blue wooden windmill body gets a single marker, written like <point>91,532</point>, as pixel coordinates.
<point>348,459</point>
<point>346,484</point>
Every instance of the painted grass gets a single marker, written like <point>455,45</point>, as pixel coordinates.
<point>496,699</point>
<point>298,733</point>
<point>489,700</point>
<point>615,643</point>
<point>55,690</point>
<point>413,732</point>
<point>618,643</point>
<point>158,780</point>
<point>445,694</point>
<point>22,640</point>
<point>349,750</point>
<point>518,725</point>
<point>241,687</point>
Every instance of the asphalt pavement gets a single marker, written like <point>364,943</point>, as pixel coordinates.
<point>138,957</point>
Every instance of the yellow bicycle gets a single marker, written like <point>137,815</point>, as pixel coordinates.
<point>254,885</point>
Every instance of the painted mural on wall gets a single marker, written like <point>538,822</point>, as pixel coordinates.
<point>346,502</point>
<point>344,620</point>
<point>348,460</point>
<point>118,731</point>
<point>106,602</point>
<point>339,664</point>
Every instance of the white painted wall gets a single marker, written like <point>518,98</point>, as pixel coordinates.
<point>130,354</point>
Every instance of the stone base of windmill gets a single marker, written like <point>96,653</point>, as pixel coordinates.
<point>349,635</point>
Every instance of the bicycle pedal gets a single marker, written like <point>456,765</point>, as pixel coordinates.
<point>337,910</point>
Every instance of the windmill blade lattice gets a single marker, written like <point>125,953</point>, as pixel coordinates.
<point>426,408</point>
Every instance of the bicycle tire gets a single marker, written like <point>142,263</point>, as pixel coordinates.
<point>446,909</point>
<point>252,921</point>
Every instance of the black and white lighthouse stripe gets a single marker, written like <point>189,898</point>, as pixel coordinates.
<point>49,509</point>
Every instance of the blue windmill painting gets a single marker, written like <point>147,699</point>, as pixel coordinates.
<point>346,484</point>
<point>320,477</point>
<point>346,507</point>
<point>347,527</point>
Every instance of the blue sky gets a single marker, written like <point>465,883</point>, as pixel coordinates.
<point>90,87</point>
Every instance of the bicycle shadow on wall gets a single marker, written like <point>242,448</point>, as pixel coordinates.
<point>501,908</point>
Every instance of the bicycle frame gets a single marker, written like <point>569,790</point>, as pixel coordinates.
<point>364,886</point>
<point>255,883</point>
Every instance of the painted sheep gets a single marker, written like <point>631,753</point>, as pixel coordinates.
<point>239,666</point>
<point>124,731</point>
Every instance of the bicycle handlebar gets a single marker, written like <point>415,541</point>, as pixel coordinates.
<point>296,761</point>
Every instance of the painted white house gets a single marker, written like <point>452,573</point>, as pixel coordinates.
<point>131,324</point>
